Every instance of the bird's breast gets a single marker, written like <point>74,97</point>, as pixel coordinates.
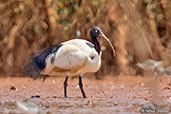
<point>93,63</point>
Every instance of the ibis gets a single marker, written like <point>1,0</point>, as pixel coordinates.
<point>71,58</point>
<point>167,71</point>
<point>149,64</point>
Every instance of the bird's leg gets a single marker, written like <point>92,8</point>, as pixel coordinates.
<point>44,77</point>
<point>65,87</point>
<point>81,87</point>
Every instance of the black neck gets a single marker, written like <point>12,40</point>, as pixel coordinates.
<point>96,44</point>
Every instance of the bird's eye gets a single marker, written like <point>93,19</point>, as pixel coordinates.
<point>96,31</point>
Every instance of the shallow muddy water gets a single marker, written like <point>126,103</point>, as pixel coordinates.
<point>106,96</point>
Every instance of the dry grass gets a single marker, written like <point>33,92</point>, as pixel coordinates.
<point>138,31</point>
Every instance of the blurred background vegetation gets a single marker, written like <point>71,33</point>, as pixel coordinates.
<point>139,30</point>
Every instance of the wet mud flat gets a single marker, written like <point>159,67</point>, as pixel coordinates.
<point>112,94</point>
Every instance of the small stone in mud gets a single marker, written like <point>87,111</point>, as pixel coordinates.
<point>77,87</point>
<point>36,96</point>
<point>13,88</point>
<point>54,96</point>
<point>90,102</point>
<point>166,88</point>
<point>142,84</point>
<point>53,81</point>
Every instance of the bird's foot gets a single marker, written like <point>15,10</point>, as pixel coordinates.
<point>62,97</point>
<point>84,97</point>
<point>35,96</point>
<point>68,97</point>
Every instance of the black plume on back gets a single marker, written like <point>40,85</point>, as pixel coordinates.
<point>38,63</point>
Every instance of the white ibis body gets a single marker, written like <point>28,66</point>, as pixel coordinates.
<point>74,57</point>
<point>149,64</point>
<point>71,58</point>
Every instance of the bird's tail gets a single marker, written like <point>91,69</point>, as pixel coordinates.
<point>32,70</point>
<point>37,63</point>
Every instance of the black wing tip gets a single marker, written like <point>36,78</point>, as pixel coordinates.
<point>32,70</point>
<point>38,63</point>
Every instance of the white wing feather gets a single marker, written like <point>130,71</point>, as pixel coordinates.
<point>69,56</point>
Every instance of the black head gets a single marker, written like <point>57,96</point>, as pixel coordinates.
<point>95,32</point>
